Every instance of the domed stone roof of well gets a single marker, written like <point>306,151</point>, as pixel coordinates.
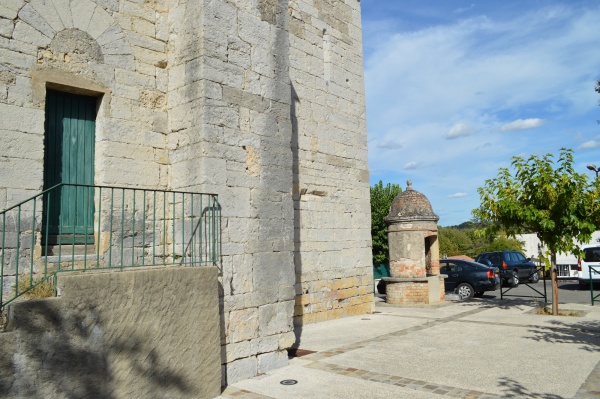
<point>410,205</point>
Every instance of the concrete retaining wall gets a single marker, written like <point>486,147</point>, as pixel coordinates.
<point>134,334</point>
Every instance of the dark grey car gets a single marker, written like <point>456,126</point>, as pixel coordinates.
<point>523,270</point>
<point>469,279</point>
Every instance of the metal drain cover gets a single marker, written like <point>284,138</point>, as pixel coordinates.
<point>288,382</point>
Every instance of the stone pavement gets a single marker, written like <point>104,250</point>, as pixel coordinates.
<point>477,349</point>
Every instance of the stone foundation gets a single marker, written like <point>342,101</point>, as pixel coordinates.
<point>409,291</point>
<point>330,299</point>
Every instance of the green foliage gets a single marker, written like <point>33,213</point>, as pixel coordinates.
<point>501,242</point>
<point>454,242</point>
<point>381,200</point>
<point>470,242</point>
<point>551,200</point>
<point>469,225</point>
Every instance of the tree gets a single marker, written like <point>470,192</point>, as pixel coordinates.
<point>381,200</point>
<point>469,241</point>
<point>502,242</point>
<point>551,200</point>
<point>454,242</point>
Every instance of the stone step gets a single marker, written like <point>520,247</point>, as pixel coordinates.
<point>70,249</point>
<point>71,262</point>
<point>67,239</point>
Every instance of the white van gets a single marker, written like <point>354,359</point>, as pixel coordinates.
<point>591,257</point>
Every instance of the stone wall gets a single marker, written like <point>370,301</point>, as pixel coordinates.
<point>414,249</point>
<point>332,219</point>
<point>228,102</point>
<point>113,50</point>
<point>132,334</point>
<point>260,102</point>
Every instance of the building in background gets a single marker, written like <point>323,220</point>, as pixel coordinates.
<point>566,263</point>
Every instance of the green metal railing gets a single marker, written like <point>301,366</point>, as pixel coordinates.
<point>75,227</point>
<point>593,271</point>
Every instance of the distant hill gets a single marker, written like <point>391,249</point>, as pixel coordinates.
<point>470,225</point>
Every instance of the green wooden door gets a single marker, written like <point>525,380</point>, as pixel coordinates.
<point>69,158</point>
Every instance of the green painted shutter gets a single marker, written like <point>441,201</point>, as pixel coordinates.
<point>69,158</point>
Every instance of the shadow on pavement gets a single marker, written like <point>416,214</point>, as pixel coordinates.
<point>514,389</point>
<point>574,286</point>
<point>584,333</point>
<point>492,302</point>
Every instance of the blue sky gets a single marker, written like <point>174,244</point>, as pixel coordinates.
<point>456,88</point>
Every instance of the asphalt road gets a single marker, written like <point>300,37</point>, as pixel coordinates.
<point>568,292</point>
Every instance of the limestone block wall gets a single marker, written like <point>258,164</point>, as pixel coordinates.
<point>258,101</point>
<point>115,51</point>
<point>100,340</point>
<point>230,132</point>
<point>329,143</point>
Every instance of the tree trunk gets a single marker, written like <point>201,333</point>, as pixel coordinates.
<point>554,278</point>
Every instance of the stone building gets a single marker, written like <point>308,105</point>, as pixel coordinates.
<point>258,101</point>
<point>413,251</point>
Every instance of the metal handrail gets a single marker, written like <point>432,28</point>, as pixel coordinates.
<point>113,228</point>
<point>596,271</point>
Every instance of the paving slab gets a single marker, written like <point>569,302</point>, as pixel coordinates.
<point>334,333</point>
<point>317,383</point>
<point>474,349</point>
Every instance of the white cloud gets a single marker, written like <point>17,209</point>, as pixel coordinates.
<point>464,9</point>
<point>445,91</point>
<point>522,124</point>
<point>389,144</point>
<point>479,66</point>
<point>460,130</point>
<point>457,195</point>
<point>484,145</point>
<point>589,144</point>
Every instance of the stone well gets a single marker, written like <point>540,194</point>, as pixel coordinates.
<point>413,250</point>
